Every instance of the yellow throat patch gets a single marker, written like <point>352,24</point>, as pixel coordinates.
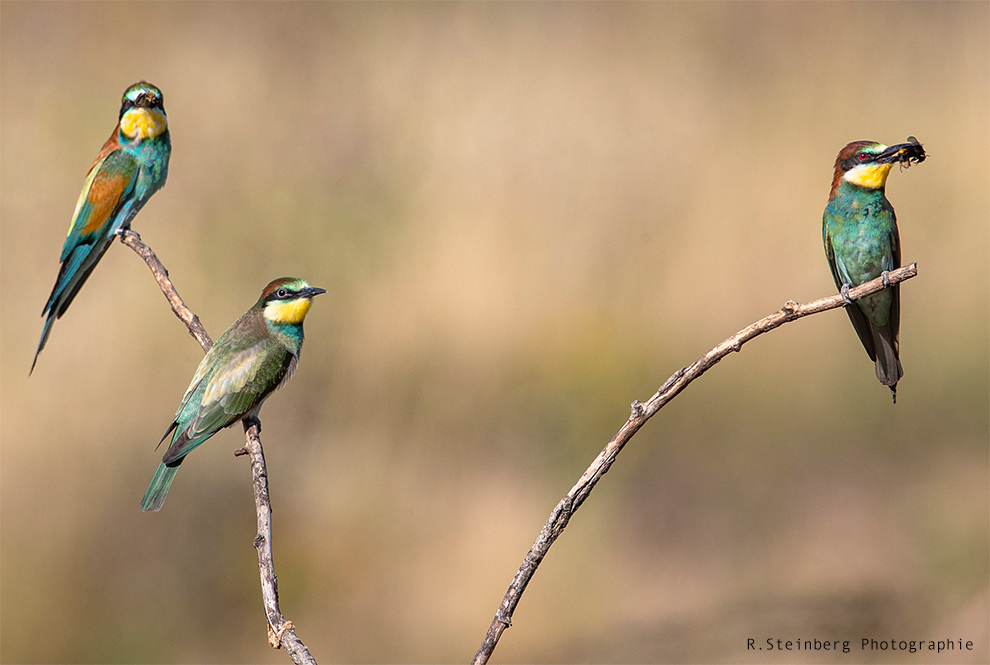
<point>141,123</point>
<point>870,176</point>
<point>288,311</point>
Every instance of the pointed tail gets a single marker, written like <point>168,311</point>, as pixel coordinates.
<point>155,496</point>
<point>76,269</point>
<point>888,365</point>
<point>45,332</point>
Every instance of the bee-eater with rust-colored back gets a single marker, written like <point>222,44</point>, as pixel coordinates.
<point>132,166</point>
<point>861,241</point>
<point>256,355</point>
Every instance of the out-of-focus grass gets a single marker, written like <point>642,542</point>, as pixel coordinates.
<point>527,216</point>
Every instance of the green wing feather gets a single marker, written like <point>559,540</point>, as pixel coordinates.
<point>111,182</point>
<point>235,381</point>
<point>227,385</point>
<point>860,323</point>
<point>242,368</point>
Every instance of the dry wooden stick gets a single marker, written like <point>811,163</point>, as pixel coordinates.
<point>281,632</point>
<point>196,329</point>
<point>640,414</point>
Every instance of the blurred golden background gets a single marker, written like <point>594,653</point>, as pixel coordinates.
<point>527,216</point>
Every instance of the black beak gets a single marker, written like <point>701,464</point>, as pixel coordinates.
<point>147,100</point>
<point>909,153</point>
<point>310,291</point>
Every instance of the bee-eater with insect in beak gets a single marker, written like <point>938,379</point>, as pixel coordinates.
<point>132,166</point>
<point>256,355</point>
<point>861,241</point>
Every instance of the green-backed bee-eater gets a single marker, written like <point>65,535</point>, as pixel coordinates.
<point>256,355</point>
<point>861,241</point>
<point>132,166</point>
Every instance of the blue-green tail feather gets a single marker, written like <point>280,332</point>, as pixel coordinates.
<point>70,279</point>
<point>155,496</point>
<point>44,338</point>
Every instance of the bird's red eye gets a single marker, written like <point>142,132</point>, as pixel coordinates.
<point>863,156</point>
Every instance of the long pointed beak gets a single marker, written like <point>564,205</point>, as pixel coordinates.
<point>910,153</point>
<point>311,291</point>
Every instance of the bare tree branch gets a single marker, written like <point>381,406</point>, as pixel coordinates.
<point>281,632</point>
<point>196,329</point>
<point>640,414</point>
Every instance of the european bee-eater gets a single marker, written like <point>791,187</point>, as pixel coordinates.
<point>132,166</point>
<point>861,241</point>
<point>256,355</point>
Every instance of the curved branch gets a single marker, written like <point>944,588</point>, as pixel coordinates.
<point>196,329</point>
<point>281,632</point>
<point>640,414</point>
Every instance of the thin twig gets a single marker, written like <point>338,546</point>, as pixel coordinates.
<point>196,329</point>
<point>281,632</point>
<point>640,414</point>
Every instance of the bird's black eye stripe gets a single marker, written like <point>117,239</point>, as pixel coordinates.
<point>281,293</point>
<point>857,159</point>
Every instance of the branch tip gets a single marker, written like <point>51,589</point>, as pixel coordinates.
<point>562,512</point>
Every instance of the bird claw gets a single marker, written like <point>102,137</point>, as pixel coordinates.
<point>251,421</point>
<point>844,291</point>
<point>885,279</point>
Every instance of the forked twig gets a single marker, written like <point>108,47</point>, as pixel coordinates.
<point>281,632</point>
<point>640,414</point>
